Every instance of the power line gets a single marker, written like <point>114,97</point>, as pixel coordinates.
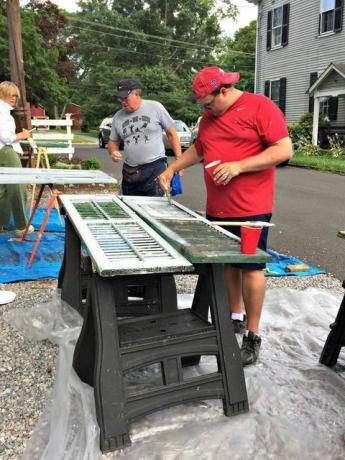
<point>163,58</point>
<point>157,37</point>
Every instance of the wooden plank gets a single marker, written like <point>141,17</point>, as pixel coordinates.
<point>117,240</point>
<point>191,234</point>
<point>53,176</point>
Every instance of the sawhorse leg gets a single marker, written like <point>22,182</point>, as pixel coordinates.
<point>42,156</point>
<point>336,338</point>
<point>51,203</point>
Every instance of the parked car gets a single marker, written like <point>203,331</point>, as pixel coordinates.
<point>195,131</point>
<point>104,132</point>
<point>183,133</point>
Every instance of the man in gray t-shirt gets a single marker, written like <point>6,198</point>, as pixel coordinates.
<point>139,124</point>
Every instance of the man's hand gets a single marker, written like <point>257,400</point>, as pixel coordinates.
<point>223,173</point>
<point>116,155</point>
<point>165,179</point>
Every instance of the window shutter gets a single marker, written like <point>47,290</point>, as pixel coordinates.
<point>282,94</point>
<point>267,88</point>
<point>312,80</point>
<point>285,29</point>
<point>269,31</point>
<point>338,15</point>
<point>333,108</point>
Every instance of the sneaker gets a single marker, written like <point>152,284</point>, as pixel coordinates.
<point>239,326</point>
<point>20,232</point>
<point>250,348</point>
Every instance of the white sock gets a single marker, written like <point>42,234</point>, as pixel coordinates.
<point>238,316</point>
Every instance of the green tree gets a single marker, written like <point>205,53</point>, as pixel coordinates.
<point>159,41</point>
<point>43,84</point>
<point>239,55</point>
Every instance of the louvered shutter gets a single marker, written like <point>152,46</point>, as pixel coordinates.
<point>282,94</point>
<point>285,29</point>
<point>267,88</point>
<point>338,15</point>
<point>333,108</point>
<point>269,31</point>
<point>312,80</point>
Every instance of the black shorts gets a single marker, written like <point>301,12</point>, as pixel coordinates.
<point>236,230</point>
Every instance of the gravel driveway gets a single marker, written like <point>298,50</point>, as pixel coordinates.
<point>27,367</point>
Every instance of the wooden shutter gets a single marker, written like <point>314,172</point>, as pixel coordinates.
<point>338,15</point>
<point>269,31</point>
<point>333,108</point>
<point>312,79</point>
<point>267,88</point>
<point>282,94</point>
<point>285,29</point>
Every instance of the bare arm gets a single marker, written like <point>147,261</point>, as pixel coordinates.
<point>189,158</point>
<point>274,154</point>
<point>114,152</point>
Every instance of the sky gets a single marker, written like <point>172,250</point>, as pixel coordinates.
<point>247,13</point>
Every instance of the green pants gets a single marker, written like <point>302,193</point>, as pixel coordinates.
<point>12,196</point>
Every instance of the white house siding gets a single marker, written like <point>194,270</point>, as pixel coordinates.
<point>305,53</point>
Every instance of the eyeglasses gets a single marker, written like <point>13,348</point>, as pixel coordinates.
<point>214,93</point>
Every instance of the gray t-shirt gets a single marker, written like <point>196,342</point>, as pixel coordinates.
<point>141,132</point>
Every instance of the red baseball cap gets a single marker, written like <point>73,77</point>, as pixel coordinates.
<point>210,78</point>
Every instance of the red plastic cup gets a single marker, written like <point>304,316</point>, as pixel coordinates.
<point>249,239</point>
<point>210,167</point>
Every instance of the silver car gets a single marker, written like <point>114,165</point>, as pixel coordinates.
<point>183,133</point>
<point>104,131</point>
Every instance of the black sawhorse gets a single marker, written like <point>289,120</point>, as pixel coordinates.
<point>108,348</point>
<point>336,338</point>
<point>139,294</point>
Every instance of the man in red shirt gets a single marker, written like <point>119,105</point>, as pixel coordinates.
<point>248,133</point>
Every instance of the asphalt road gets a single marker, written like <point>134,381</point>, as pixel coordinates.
<point>309,210</point>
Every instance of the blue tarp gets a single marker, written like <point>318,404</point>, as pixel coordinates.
<point>48,258</point>
<point>15,255</point>
<point>56,223</point>
<point>280,261</point>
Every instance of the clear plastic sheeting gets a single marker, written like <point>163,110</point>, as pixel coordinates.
<point>296,404</point>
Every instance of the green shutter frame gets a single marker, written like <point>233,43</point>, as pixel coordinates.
<point>282,94</point>
<point>267,88</point>
<point>338,15</point>
<point>286,19</point>
<point>333,108</point>
<point>312,79</point>
<point>269,31</point>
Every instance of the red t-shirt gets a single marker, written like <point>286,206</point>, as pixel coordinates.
<point>250,125</point>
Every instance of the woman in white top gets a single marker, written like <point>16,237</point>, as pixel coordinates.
<point>12,196</point>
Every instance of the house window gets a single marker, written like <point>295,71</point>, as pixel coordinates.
<point>324,105</point>
<point>331,16</point>
<point>278,27</point>
<point>276,90</point>
<point>329,107</point>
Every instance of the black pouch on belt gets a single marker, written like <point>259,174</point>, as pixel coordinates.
<point>131,173</point>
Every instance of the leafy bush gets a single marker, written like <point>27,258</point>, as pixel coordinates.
<point>84,127</point>
<point>337,147</point>
<point>309,150</point>
<point>91,163</point>
<point>301,132</point>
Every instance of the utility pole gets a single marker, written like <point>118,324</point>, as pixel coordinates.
<point>22,111</point>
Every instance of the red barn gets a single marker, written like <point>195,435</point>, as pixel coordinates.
<point>37,111</point>
<point>76,115</point>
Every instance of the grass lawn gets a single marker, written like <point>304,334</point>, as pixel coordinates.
<point>79,137</point>
<point>322,163</point>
